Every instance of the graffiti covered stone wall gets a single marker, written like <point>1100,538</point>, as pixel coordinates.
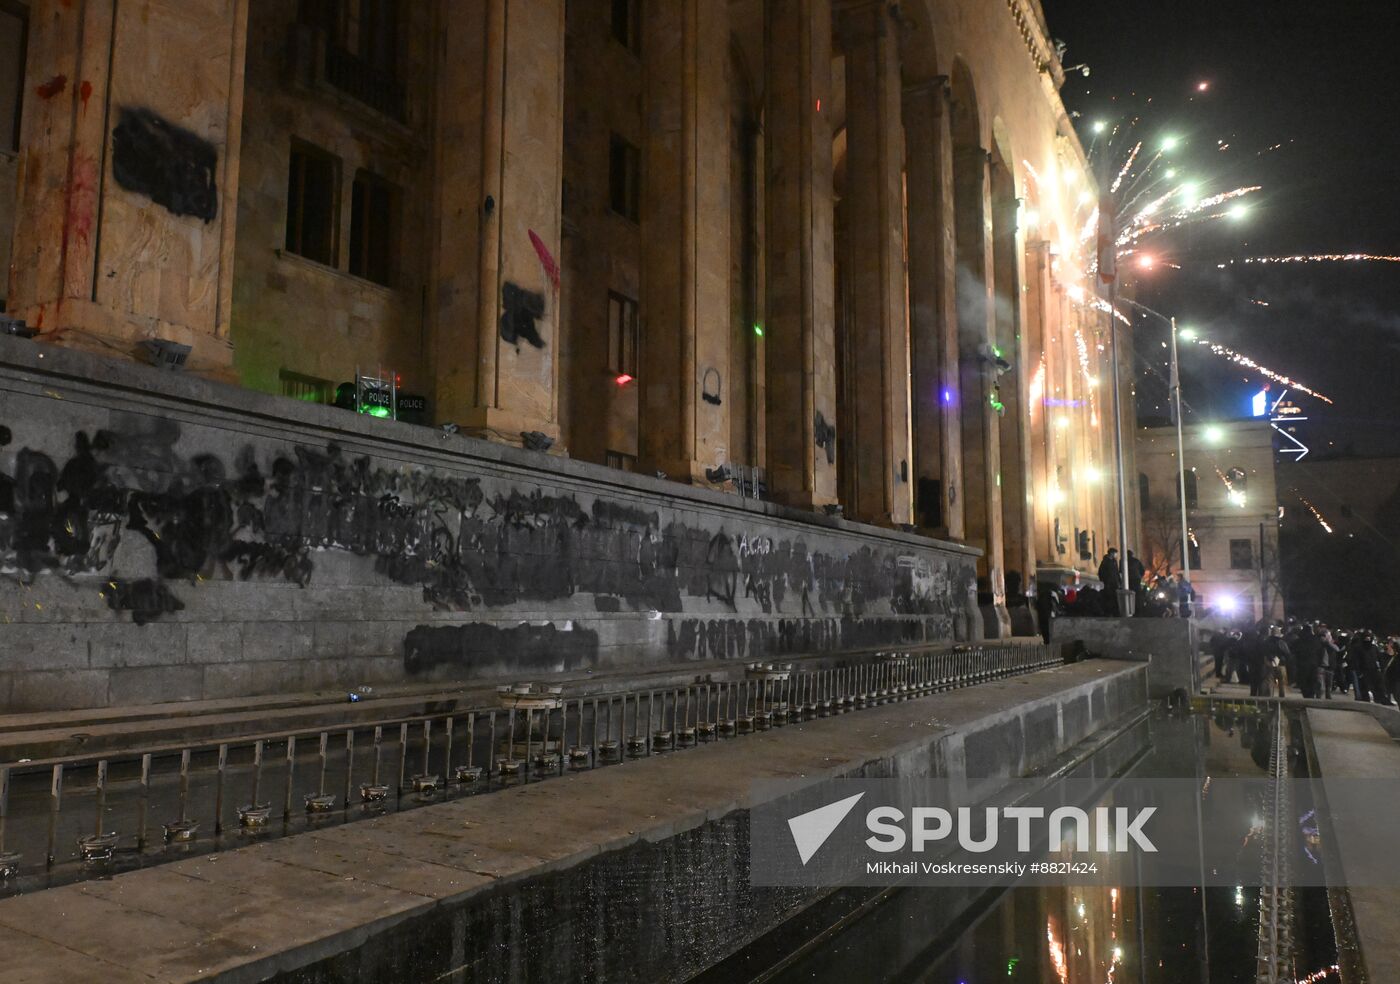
<point>166,538</point>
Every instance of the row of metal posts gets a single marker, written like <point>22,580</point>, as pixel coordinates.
<point>770,695</point>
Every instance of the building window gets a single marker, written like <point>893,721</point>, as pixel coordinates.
<point>1241,555</point>
<point>623,335</point>
<point>624,178</point>
<point>1191,500</point>
<point>627,24</point>
<point>373,223</point>
<point>361,49</point>
<point>623,462</point>
<point>313,203</point>
<point>307,389</point>
<point>1144,492</point>
<point>1193,551</point>
<point>14,37</point>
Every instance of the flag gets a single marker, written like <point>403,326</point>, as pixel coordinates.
<point>1108,239</point>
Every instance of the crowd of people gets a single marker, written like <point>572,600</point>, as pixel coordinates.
<point>1156,595</point>
<point>1310,658</point>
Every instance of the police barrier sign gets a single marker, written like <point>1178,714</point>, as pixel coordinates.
<point>1155,832</point>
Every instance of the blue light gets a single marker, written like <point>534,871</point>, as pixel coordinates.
<point>947,396</point>
<point>1259,404</point>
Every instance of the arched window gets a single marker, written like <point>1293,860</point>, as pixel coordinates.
<point>1190,489</point>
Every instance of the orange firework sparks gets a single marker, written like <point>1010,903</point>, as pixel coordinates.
<point>1318,258</point>
<point>1225,352</point>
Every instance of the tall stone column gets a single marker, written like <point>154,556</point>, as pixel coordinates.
<point>799,336</point>
<point>933,313</point>
<point>874,210</point>
<point>977,374</point>
<point>499,160</point>
<point>684,370</point>
<point>128,179</point>
<point>1039,307</point>
<point>1014,390</point>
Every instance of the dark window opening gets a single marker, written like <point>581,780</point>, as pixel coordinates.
<point>313,203</point>
<point>624,178</point>
<point>623,335</point>
<point>378,36</point>
<point>14,38</point>
<point>1195,554</point>
<point>362,49</point>
<point>1241,555</point>
<point>1144,491</point>
<point>1191,497</point>
<point>627,24</point>
<point>373,222</point>
<point>624,462</point>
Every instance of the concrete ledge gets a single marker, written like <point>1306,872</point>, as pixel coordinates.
<point>1167,645</point>
<point>1354,745</point>
<point>635,872</point>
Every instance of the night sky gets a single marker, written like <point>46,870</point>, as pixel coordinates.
<point>1323,80</point>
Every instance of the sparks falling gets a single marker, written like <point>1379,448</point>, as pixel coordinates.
<point>1225,352</point>
<point>1317,515</point>
<point>1317,258</point>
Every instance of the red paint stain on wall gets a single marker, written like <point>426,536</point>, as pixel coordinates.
<point>52,87</point>
<point>84,92</point>
<point>80,197</point>
<point>551,268</point>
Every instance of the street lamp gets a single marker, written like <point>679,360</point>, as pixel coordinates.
<point>1189,334</point>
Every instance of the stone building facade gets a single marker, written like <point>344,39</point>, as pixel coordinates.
<point>835,252</point>
<point>1232,506</point>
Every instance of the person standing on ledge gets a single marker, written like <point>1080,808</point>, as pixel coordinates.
<point>1185,594</point>
<point>1111,578</point>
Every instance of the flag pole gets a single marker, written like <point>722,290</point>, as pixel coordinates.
<point>1180,459</point>
<point>1125,606</point>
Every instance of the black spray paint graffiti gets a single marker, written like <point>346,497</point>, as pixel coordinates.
<point>168,164</point>
<point>759,638</point>
<point>265,514</point>
<point>482,646</point>
<point>146,599</point>
<point>521,309</point>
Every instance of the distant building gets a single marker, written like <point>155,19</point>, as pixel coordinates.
<point>1341,539</point>
<point>1232,509</point>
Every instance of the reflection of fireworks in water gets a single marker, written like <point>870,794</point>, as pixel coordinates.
<point>1307,823</point>
<point>1057,952</point>
<point>1225,352</point>
<point>1317,258</point>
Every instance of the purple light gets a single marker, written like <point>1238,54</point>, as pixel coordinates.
<point>947,396</point>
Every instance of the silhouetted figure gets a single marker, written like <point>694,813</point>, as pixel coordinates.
<point>1112,578</point>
